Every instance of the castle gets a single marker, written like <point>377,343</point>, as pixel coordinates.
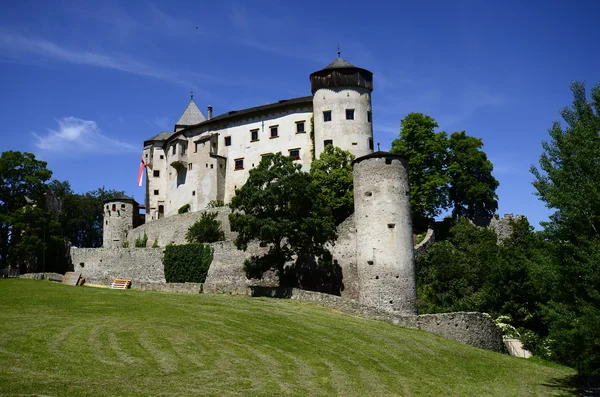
<point>206,158</point>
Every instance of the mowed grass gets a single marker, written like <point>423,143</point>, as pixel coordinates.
<point>58,340</point>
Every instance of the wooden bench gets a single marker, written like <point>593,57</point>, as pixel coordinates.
<point>118,283</point>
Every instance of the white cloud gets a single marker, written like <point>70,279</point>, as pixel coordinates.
<point>20,48</point>
<point>75,136</point>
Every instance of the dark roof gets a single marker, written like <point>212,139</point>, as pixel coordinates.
<point>339,63</point>
<point>160,136</point>
<point>380,154</point>
<point>191,115</point>
<point>121,198</point>
<point>305,100</point>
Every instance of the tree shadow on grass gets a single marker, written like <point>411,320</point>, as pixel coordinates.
<point>576,385</point>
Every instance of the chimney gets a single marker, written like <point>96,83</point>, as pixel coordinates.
<point>209,112</point>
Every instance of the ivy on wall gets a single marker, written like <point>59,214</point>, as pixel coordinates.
<point>187,263</point>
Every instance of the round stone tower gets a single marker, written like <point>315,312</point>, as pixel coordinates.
<point>342,108</point>
<point>384,237</point>
<point>121,214</point>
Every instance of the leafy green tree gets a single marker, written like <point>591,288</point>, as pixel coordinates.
<point>206,230</point>
<point>567,181</point>
<point>281,208</point>
<point>426,151</point>
<point>471,271</point>
<point>22,186</point>
<point>472,189</point>
<point>332,176</point>
<point>82,216</point>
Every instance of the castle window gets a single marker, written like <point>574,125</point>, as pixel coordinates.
<point>227,141</point>
<point>239,164</point>
<point>183,149</point>
<point>156,173</point>
<point>156,192</point>
<point>300,127</point>
<point>190,166</point>
<point>295,154</point>
<point>193,192</point>
<point>327,142</point>
<point>327,115</point>
<point>162,157</point>
<point>196,147</point>
<point>114,207</point>
<point>174,149</point>
<point>253,135</point>
<point>369,116</point>
<point>274,131</point>
<point>123,206</point>
<point>349,114</point>
<point>146,155</point>
<point>370,143</point>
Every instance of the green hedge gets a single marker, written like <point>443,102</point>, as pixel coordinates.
<point>187,263</point>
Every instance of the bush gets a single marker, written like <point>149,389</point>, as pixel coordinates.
<point>141,242</point>
<point>125,244</point>
<point>215,204</point>
<point>183,209</point>
<point>155,244</point>
<point>206,230</point>
<point>187,263</point>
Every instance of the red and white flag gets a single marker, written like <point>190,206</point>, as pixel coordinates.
<point>141,173</point>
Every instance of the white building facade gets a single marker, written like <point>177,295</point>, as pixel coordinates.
<point>206,158</point>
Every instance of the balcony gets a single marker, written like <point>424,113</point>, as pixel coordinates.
<point>178,160</point>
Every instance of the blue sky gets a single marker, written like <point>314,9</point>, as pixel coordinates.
<point>84,83</point>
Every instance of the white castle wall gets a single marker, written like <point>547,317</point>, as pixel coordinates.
<point>351,135</point>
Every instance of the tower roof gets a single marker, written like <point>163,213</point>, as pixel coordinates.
<point>339,63</point>
<point>191,115</point>
<point>341,73</point>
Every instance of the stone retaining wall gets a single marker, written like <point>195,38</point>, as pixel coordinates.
<point>136,264</point>
<point>471,328</point>
<point>43,276</point>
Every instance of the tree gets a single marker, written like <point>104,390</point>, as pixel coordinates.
<point>206,230</point>
<point>280,207</point>
<point>567,181</point>
<point>22,185</point>
<point>82,216</point>
<point>472,189</point>
<point>332,176</point>
<point>426,152</point>
<point>445,172</point>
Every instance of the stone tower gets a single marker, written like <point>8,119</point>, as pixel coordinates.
<point>384,237</point>
<point>121,214</point>
<point>342,108</point>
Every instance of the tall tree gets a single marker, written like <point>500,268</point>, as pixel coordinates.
<point>280,207</point>
<point>82,216</point>
<point>426,151</point>
<point>22,185</point>
<point>567,181</point>
<point>472,189</point>
<point>332,176</point>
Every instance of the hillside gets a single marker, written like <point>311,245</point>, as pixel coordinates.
<point>72,341</point>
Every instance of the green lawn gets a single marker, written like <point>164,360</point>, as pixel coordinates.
<point>58,340</point>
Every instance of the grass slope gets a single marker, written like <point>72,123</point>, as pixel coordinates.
<point>58,340</point>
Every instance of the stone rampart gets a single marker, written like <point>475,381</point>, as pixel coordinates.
<point>173,229</point>
<point>100,265</point>
<point>344,254</point>
<point>471,328</point>
<point>43,276</point>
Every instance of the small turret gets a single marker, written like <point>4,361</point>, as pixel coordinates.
<point>121,215</point>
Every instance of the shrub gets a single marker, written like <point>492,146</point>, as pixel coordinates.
<point>155,244</point>
<point>141,242</point>
<point>216,204</point>
<point>125,244</point>
<point>183,209</point>
<point>206,230</point>
<point>187,263</point>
